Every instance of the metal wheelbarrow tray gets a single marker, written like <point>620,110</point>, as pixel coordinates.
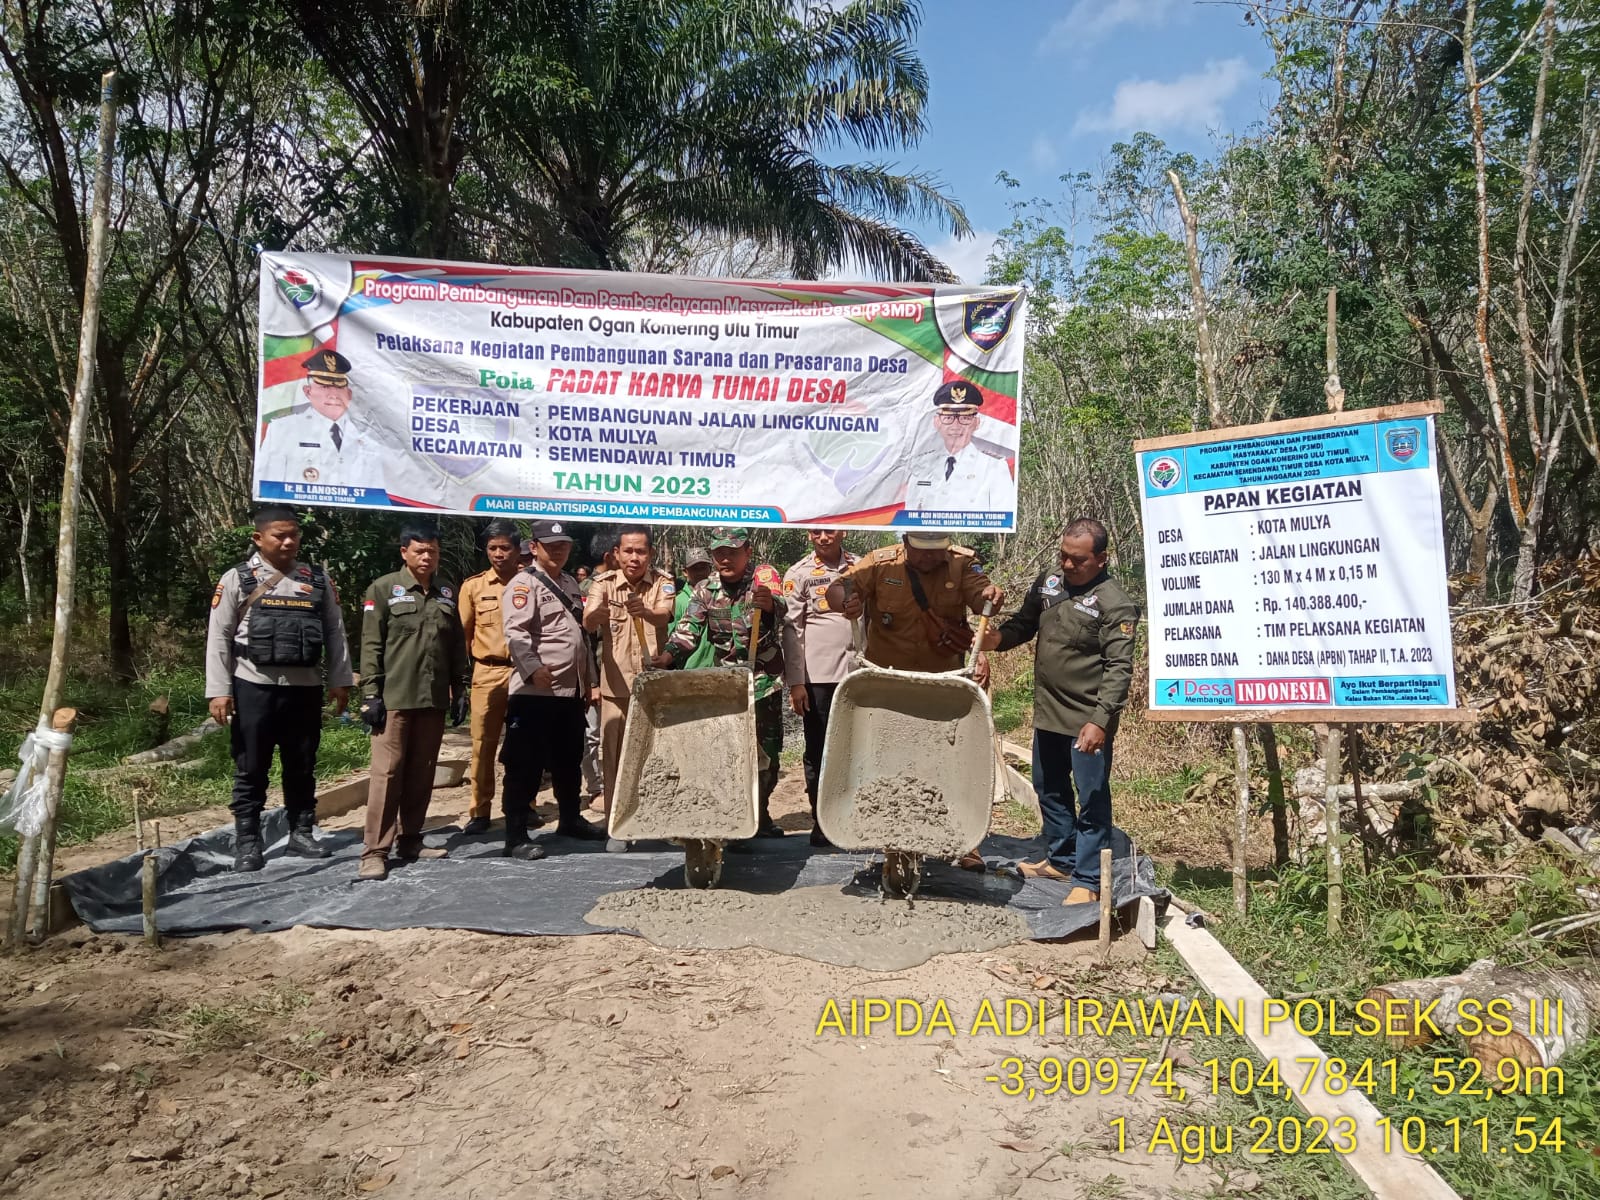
<point>688,771</point>
<point>908,768</point>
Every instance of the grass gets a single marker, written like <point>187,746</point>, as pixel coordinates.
<point>1401,921</point>
<point>114,721</point>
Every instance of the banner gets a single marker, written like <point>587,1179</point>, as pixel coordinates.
<point>604,396</point>
<point>1297,566</point>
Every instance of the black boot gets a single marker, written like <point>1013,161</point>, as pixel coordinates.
<point>247,844</point>
<point>570,822</point>
<point>767,827</point>
<point>518,843</point>
<point>302,843</point>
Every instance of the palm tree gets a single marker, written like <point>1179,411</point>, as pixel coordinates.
<point>605,120</point>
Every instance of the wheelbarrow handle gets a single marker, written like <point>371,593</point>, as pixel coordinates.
<point>644,646</point>
<point>977,640</point>
<point>858,636</point>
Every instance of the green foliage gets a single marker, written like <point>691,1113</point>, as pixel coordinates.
<point>114,721</point>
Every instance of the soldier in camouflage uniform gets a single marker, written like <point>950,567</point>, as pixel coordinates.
<point>720,609</point>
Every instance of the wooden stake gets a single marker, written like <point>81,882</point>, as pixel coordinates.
<point>147,880</point>
<point>35,861</point>
<point>1330,817</point>
<point>1241,820</point>
<point>64,720</point>
<point>1275,797</point>
<point>1331,387</point>
<point>1105,901</point>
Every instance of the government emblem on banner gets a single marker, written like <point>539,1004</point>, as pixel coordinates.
<point>988,321</point>
<point>1164,472</point>
<point>1403,442</point>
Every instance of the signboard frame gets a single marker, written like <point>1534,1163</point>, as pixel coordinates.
<point>1349,715</point>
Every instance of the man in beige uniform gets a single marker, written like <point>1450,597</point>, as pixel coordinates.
<point>551,676</point>
<point>625,605</point>
<point>479,606</point>
<point>816,649</point>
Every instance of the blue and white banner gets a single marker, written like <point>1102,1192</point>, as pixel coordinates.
<point>1298,568</point>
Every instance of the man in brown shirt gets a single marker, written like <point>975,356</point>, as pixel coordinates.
<point>630,608</point>
<point>551,676</point>
<point>479,607</point>
<point>915,598</point>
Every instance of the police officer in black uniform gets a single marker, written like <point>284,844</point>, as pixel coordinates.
<point>273,622</point>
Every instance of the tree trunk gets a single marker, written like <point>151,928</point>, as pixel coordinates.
<point>119,514</point>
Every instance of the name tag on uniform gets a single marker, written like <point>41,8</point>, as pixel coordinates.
<point>394,600</point>
<point>895,582</point>
<point>311,445</point>
<point>924,483</point>
<point>1085,608</point>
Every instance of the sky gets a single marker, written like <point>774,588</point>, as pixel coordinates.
<point>1040,88</point>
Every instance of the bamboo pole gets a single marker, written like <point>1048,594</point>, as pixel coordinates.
<point>1241,819</point>
<point>36,860</point>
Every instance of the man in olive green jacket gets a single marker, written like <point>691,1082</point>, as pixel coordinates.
<point>1082,670</point>
<point>414,669</point>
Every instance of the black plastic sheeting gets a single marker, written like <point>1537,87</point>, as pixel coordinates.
<point>477,889</point>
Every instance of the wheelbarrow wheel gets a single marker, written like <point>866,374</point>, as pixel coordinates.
<point>702,863</point>
<point>902,873</point>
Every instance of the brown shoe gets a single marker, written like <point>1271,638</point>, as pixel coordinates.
<point>426,854</point>
<point>1081,895</point>
<point>373,867</point>
<point>1042,870</point>
<point>971,861</point>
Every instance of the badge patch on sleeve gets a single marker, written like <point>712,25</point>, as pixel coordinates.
<point>1126,627</point>
<point>788,586</point>
<point>216,596</point>
<point>669,589</point>
<point>368,605</point>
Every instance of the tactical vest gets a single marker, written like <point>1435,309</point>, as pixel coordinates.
<point>285,631</point>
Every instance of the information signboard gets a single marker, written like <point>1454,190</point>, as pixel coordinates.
<point>1297,571</point>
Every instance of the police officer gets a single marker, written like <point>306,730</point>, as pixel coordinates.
<point>1083,666</point>
<point>414,670</point>
<point>720,610</point>
<point>272,620</point>
<point>957,476</point>
<point>479,606</point>
<point>816,648</point>
<point>627,604</point>
<point>915,598</point>
<point>321,442</point>
<point>552,675</point>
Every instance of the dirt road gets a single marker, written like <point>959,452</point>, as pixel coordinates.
<point>320,1063</point>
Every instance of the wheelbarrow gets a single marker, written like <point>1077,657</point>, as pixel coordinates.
<point>908,768</point>
<point>689,770</point>
<point>689,766</point>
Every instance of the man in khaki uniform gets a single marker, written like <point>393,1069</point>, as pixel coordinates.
<point>413,671</point>
<point>915,598</point>
<point>816,649</point>
<point>625,605</point>
<point>491,665</point>
<point>551,678</point>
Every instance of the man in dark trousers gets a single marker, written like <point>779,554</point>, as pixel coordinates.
<point>552,675</point>
<point>816,648</point>
<point>1083,666</point>
<point>273,622</point>
<point>414,671</point>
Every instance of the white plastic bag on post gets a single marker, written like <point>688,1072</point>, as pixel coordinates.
<point>22,809</point>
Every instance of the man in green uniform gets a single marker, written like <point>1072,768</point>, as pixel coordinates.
<point>414,669</point>
<point>1083,666</point>
<point>697,568</point>
<point>720,610</point>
